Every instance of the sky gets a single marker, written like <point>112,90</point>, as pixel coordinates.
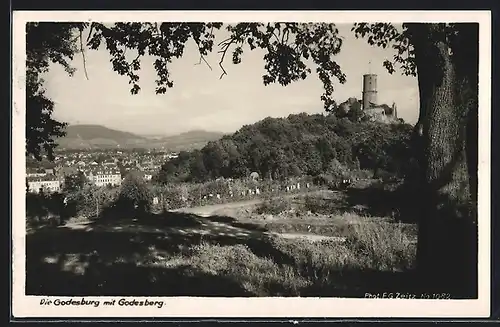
<point>200,100</point>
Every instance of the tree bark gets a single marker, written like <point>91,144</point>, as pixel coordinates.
<point>447,140</point>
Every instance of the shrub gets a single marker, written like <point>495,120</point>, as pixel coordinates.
<point>318,205</point>
<point>135,194</point>
<point>36,209</point>
<point>273,206</point>
<point>89,201</point>
<point>44,208</point>
<point>323,179</point>
<point>338,170</point>
<point>173,198</point>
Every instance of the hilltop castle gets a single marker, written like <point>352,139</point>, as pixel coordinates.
<point>371,108</point>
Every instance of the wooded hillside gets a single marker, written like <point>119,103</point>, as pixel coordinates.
<point>298,145</point>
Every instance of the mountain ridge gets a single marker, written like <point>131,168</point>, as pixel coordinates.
<point>94,136</point>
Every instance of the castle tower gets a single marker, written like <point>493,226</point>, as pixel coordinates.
<point>369,90</point>
<point>394,110</point>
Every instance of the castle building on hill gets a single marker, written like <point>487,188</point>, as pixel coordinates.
<point>371,108</point>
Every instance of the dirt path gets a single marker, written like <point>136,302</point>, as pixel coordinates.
<point>311,237</point>
<point>207,210</point>
<point>223,228</point>
<point>212,209</point>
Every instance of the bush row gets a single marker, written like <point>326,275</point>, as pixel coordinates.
<point>175,196</point>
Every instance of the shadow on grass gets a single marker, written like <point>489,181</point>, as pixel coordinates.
<point>400,202</point>
<point>126,257</point>
<point>112,257</point>
<point>129,279</point>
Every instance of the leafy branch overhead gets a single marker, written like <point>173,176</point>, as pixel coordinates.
<point>385,35</point>
<point>288,48</point>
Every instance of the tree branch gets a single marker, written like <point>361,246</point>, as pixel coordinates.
<point>225,44</point>
<point>83,55</point>
<point>90,33</point>
<point>225,47</point>
<point>202,57</point>
<point>277,38</point>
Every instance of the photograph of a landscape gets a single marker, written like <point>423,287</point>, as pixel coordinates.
<point>252,159</point>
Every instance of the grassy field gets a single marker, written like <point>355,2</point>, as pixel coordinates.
<point>232,252</point>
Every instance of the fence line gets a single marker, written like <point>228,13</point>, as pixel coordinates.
<point>173,198</point>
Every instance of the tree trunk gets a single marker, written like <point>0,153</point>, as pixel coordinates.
<point>447,141</point>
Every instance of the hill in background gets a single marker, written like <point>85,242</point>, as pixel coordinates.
<point>191,140</point>
<point>100,137</point>
<point>298,145</point>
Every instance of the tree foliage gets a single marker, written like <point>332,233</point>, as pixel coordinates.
<point>88,200</point>
<point>74,182</point>
<point>43,206</point>
<point>135,194</point>
<point>387,35</point>
<point>287,46</point>
<point>46,43</point>
<point>351,109</point>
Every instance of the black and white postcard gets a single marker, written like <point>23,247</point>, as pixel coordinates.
<point>251,164</point>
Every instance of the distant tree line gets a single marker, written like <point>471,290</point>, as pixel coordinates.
<point>301,144</point>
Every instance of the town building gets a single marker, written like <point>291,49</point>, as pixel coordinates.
<point>35,172</point>
<point>148,174</point>
<point>48,183</point>
<point>104,177</point>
